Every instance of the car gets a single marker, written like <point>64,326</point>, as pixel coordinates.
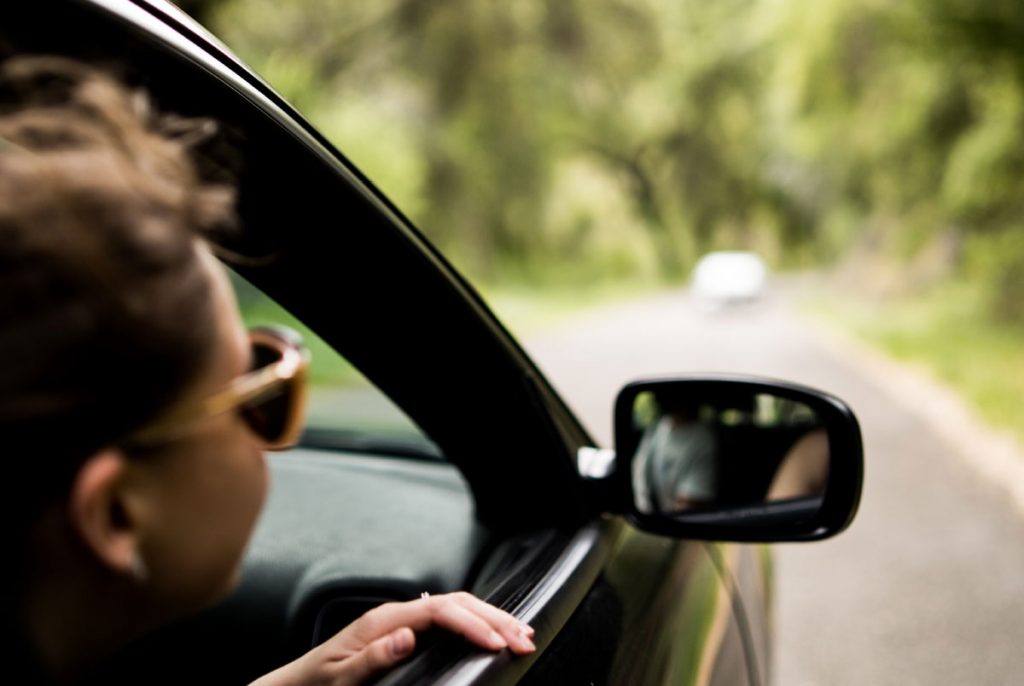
<point>729,277</point>
<point>465,469</point>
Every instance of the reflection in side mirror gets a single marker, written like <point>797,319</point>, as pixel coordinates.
<point>737,459</point>
<point>688,448</point>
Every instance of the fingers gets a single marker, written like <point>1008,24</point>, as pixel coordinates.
<point>461,613</point>
<point>479,622</point>
<point>517,635</point>
<point>457,619</point>
<point>383,637</point>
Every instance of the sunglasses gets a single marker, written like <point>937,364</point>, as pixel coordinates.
<point>271,398</point>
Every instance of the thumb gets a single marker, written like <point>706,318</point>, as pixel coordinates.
<point>378,656</point>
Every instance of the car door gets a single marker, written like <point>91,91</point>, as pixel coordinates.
<point>610,604</point>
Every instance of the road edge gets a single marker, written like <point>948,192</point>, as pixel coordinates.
<point>994,454</point>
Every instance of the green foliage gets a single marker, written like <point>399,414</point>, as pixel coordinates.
<point>578,140</point>
<point>996,263</point>
<point>942,332</point>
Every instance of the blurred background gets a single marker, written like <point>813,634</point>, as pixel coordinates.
<point>856,166</point>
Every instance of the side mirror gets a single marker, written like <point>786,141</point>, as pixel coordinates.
<point>736,459</point>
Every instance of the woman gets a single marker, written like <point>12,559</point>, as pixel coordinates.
<point>134,425</point>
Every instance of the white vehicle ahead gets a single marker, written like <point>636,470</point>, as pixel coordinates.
<point>726,277</point>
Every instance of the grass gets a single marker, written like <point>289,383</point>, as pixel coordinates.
<point>946,331</point>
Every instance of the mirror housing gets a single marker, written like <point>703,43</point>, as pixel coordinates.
<point>734,458</point>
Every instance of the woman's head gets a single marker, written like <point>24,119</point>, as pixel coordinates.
<point>112,311</point>
<point>99,279</point>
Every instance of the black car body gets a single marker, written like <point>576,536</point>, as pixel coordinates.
<point>506,515</point>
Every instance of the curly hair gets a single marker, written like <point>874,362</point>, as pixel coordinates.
<point>105,314</point>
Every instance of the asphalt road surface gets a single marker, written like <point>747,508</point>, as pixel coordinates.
<point>926,587</point>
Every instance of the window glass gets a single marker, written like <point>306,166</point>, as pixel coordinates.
<point>345,410</point>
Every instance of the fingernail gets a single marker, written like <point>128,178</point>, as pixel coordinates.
<point>496,641</point>
<point>526,629</point>
<point>526,645</point>
<point>401,643</point>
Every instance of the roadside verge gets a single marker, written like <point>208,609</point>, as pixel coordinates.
<point>994,454</point>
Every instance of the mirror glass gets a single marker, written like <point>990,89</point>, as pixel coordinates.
<point>699,454</point>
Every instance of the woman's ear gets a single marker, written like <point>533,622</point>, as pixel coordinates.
<point>100,512</point>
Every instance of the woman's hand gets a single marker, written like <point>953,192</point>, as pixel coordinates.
<point>385,636</point>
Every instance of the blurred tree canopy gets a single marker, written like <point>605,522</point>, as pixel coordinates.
<point>609,138</point>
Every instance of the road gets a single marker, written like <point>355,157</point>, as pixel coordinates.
<point>926,587</point>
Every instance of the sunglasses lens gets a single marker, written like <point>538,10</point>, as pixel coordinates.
<point>271,415</point>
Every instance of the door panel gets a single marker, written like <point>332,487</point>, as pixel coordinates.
<point>750,579</point>
<point>659,613</point>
